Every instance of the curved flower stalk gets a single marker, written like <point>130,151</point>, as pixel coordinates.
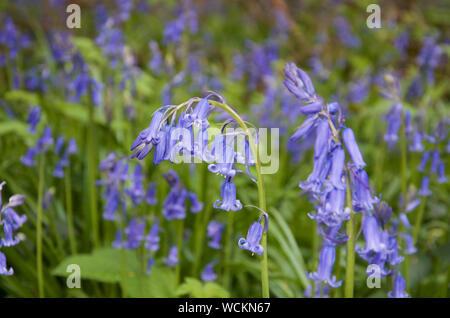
<point>338,188</point>
<point>180,133</point>
<point>10,222</point>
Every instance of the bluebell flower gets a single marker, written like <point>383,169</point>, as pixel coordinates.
<point>410,248</point>
<point>208,274</point>
<point>435,158</point>
<point>156,63</point>
<point>441,173</point>
<point>416,145</point>
<point>344,34</point>
<point>137,191</point>
<point>196,205</point>
<point>118,243</point>
<point>48,198</point>
<point>44,141</point>
<point>34,116</point>
<point>399,287</point>
<point>394,257</point>
<point>375,242</point>
<point>429,58</point>
<point>3,268</point>
<point>332,211</point>
<point>112,198</point>
<point>252,242</point>
<point>135,234</point>
<point>174,30</point>
<point>59,144</point>
<point>148,137</point>
<point>326,262</point>
<point>362,198</point>
<point>394,121</point>
<point>352,148</point>
<point>415,89</point>
<point>198,117</point>
<point>306,128</point>
<point>404,220</point>
<point>337,168</point>
<point>423,162</point>
<point>401,43</point>
<point>299,84</point>
<point>224,157</point>
<point>172,259</point>
<point>228,194</point>
<point>424,188</point>
<point>214,232</point>
<point>72,147</point>
<point>152,239</point>
<point>151,194</point>
<point>150,264</point>
<point>28,159</point>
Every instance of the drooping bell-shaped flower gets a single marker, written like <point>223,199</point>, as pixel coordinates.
<point>4,270</point>
<point>362,198</point>
<point>208,274</point>
<point>214,232</point>
<point>373,237</point>
<point>34,116</point>
<point>28,159</point>
<point>441,173</point>
<point>332,211</point>
<point>409,243</point>
<point>326,262</point>
<point>135,234</point>
<point>305,128</point>
<point>172,259</point>
<point>224,156</point>
<point>148,137</point>
<point>399,287</point>
<point>299,83</point>
<point>423,162</point>
<point>136,192</point>
<point>196,205</point>
<point>152,239</point>
<point>118,243</point>
<point>252,242</point>
<point>151,194</point>
<point>416,145</point>
<point>198,117</point>
<point>45,141</point>
<point>228,194</point>
<point>424,187</point>
<point>352,148</point>
<point>337,168</point>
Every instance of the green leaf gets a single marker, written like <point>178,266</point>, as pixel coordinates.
<point>104,265</point>
<point>22,96</point>
<point>14,126</point>
<point>197,289</point>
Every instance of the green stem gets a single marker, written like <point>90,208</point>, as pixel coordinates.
<point>180,229</point>
<point>91,176</point>
<point>350,268</point>
<point>419,218</point>
<point>261,194</point>
<point>68,188</point>
<point>39,266</point>
<point>227,251</point>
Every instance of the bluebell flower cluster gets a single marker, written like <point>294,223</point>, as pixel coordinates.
<point>42,146</point>
<point>329,181</point>
<point>71,148</point>
<point>10,222</point>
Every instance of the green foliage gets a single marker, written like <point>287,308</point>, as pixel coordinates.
<point>197,289</point>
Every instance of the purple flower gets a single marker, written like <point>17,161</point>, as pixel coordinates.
<point>399,287</point>
<point>214,232</point>
<point>224,156</point>
<point>337,168</point>
<point>410,248</point>
<point>352,148</point>
<point>33,119</point>
<point>137,191</point>
<point>416,145</point>
<point>198,117</point>
<point>117,243</point>
<point>252,243</point>
<point>435,161</point>
<point>423,162</point>
<point>151,194</point>
<point>208,274</point>
<point>228,194</point>
<point>299,84</point>
<point>150,264</point>
<point>3,268</point>
<point>172,259</point>
<point>135,234</point>
<point>306,127</point>
<point>28,159</point>
<point>441,173</point>
<point>326,262</point>
<point>373,237</point>
<point>148,137</point>
<point>45,141</point>
<point>196,205</point>
<point>362,199</point>
<point>156,63</point>
<point>152,239</point>
<point>424,188</point>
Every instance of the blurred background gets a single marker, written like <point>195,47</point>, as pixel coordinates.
<point>95,88</point>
